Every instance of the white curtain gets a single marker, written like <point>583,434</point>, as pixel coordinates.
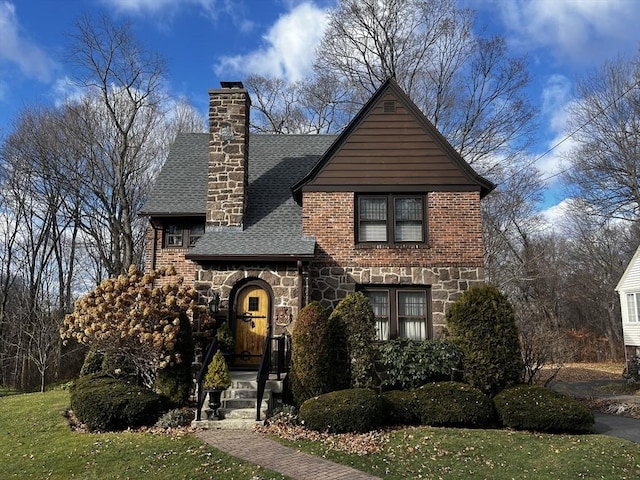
<point>412,315</point>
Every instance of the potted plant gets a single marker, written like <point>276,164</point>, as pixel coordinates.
<point>225,338</point>
<point>217,380</point>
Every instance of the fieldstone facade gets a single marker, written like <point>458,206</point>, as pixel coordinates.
<point>330,284</point>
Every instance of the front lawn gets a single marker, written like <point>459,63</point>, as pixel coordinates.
<point>38,443</point>
<point>426,452</point>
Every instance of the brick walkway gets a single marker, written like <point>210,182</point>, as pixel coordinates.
<point>258,449</point>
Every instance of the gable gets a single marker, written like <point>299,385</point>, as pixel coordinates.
<point>390,145</point>
<point>630,280</point>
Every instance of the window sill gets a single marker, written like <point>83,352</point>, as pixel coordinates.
<point>391,246</point>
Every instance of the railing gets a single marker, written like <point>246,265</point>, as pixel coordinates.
<point>201,394</point>
<point>274,361</point>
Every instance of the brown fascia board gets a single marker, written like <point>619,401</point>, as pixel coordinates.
<point>250,258</point>
<point>485,185</point>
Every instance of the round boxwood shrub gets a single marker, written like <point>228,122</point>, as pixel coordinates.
<point>342,411</point>
<point>105,403</point>
<point>453,404</point>
<point>482,322</point>
<point>531,407</point>
<point>400,407</point>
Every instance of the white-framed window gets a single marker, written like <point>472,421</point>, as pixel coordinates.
<point>390,219</point>
<point>633,307</point>
<point>400,311</point>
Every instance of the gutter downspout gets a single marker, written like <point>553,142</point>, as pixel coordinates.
<point>300,286</point>
<point>154,249</point>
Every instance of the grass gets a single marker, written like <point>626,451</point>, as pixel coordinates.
<point>427,452</point>
<point>37,443</point>
<point>621,388</point>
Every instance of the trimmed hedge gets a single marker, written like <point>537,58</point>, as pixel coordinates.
<point>530,407</point>
<point>453,404</point>
<point>105,403</point>
<point>342,411</point>
<point>400,407</point>
<point>404,363</point>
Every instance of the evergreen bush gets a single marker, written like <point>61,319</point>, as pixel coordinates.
<point>404,363</point>
<point>104,403</point>
<point>400,407</point>
<point>355,318</point>
<point>92,363</point>
<point>531,407</point>
<point>317,365</point>
<point>352,410</point>
<point>218,376</point>
<point>453,404</point>
<point>178,417</point>
<point>482,322</point>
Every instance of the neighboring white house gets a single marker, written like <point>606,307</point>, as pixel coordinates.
<point>629,290</point>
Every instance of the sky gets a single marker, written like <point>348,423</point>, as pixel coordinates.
<point>208,41</point>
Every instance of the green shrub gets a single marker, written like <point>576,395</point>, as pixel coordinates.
<point>317,365</point>
<point>400,407</point>
<point>105,403</point>
<point>175,380</point>
<point>482,322</point>
<point>178,417</point>
<point>218,376</point>
<point>92,363</point>
<point>405,364</point>
<point>226,342</point>
<point>342,411</point>
<point>355,318</point>
<point>115,363</point>
<point>453,404</point>
<point>530,407</point>
<point>632,369</point>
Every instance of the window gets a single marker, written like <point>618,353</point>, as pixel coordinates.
<point>400,311</point>
<point>633,307</point>
<point>179,235</point>
<point>390,219</point>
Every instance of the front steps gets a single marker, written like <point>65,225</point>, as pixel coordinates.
<point>238,410</point>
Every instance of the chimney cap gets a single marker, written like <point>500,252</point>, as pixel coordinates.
<point>231,85</point>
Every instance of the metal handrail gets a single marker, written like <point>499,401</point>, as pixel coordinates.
<point>267,365</point>
<point>213,348</point>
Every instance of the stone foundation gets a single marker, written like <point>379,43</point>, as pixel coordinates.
<point>330,284</point>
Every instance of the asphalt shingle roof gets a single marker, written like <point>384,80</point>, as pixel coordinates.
<point>273,220</point>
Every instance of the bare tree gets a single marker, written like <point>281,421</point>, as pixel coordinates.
<point>466,85</point>
<point>114,125</point>
<point>313,105</point>
<point>605,164</point>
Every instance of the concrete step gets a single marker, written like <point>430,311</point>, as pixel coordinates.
<point>242,413</point>
<point>227,424</point>
<point>231,403</point>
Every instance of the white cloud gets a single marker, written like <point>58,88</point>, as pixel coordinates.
<point>583,32</point>
<point>554,217</point>
<point>289,46</point>
<point>15,48</point>
<point>556,97</point>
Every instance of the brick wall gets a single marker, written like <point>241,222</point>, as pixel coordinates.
<point>454,232</point>
<point>167,257</point>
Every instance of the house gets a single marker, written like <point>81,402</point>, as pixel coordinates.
<point>629,290</point>
<point>267,223</point>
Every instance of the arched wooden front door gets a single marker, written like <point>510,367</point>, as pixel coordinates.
<point>252,320</point>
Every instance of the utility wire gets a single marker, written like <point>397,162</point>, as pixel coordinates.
<point>568,136</point>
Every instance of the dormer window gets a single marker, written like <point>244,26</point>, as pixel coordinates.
<point>178,235</point>
<point>390,219</point>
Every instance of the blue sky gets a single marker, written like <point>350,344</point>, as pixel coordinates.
<point>206,41</point>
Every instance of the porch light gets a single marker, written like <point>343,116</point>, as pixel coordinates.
<point>214,304</point>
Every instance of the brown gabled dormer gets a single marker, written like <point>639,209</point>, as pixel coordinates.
<point>228,173</point>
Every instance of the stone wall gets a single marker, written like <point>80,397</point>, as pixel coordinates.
<point>330,284</point>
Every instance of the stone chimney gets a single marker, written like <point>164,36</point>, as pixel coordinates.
<point>228,155</point>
